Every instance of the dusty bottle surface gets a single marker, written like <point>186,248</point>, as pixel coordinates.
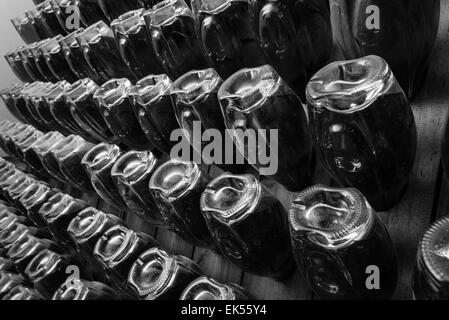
<point>177,187</point>
<point>131,174</point>
<point>228,38</point>
<point>431,278</point>
<point>157,275</point>
<point>405,40</point>
<point>135,44</point>
<point>260,104</point>
<point>342,247</point>
<point>114,100</point>
<point>249,225</point>
<point>363,128</point>
<point>205,288</point>
<point>172,30</point>
<point>154,110</point>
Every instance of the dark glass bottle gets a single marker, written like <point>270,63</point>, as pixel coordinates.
<point>155,111</point>
<point>54,56</point>
<point>69,160</point>
<point>209,289</point>
<point>249,225</point>
<point>39,23</point>
<point>61,112</point>
<point>363,128</point>
<point>339,241</point>
<point>228,38</point>
<point>53,98</point>
<point>15,232</point>
<point>6,95</point>
<point>49,161</point>
<point>259,103</point>
<point>33,154</point>
<point>102,54</point>
<point>75,57</point>
<point>16,189</point>
<point>177,187</point>
<point>7,265</point>
<point>118,248</point>
<point>22,293</point>
<point>16,134</point>
<point>33,200</point>
<point>131,174</point>
<point>9,178</point>
<point>431,278</point>
<point>90,12</point>
<point>50,19</point>
<point>82,290</point>
<point>402,32</point>
<point>296,36</point>
<point>58,212</point>
<point>35,101</point>
<point>25,249</point>
<point>47,271</point>
<point>20,100</point>
<point>85,112</point>
<point>172,29</point>
<point>15,62</point>
<point>98,163</point>
<point>9,281</point>
<point>87,228</point>
<point>157,275</point>
<point>114,8</point>
<point>114,101</point>
<point>24,142</point>
<point>135,44</point>
<point>25,27</point>
<point>29,63</point>
<point>41,62</point>
<point>197,109</point>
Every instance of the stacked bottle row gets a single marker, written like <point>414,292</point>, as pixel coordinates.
<point>238,216</point>
<point>95,245</point>
<point>295,37</point>
<point>358,121</point>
